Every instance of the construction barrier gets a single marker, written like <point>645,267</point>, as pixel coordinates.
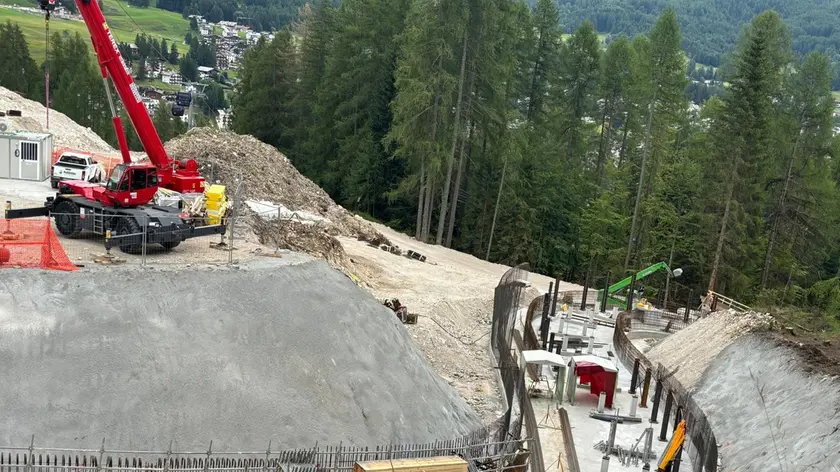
<point>31,243</point>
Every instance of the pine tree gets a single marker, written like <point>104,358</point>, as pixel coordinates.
<point>806,129</point>
<point>577,84</point>
<point>188,69</point>
<point>666,67</point>
<point>425,88</point>
<point>743,131</point>
<point>315,28</point>
<point>173,54</point>
<point>19,72</point>
<point>262,104</point>
<point>141,69</point>
<point>541,57</point>
<point>614,84</point>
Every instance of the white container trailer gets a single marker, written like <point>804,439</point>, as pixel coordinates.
<point>25,156</point>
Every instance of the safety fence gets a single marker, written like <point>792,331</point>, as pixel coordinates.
<point>31,244</point>
<point>506,343</point>
<point>701,445</point>
<point>479,449</point>
<point>83,238</point>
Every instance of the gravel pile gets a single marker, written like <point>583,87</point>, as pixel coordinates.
<point>694,348</point>
<point>65,131</point>
<point>224,157</point>
<point>292,354</point>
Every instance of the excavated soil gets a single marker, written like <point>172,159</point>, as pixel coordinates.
<point>228,158</point>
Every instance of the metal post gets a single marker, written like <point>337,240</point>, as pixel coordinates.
<point>102,454</point>
<point>207,462</point>
<point>663,433</point>
<point>31,454</point>
<point>675,465</point>
<point>554,302</point>
<point>688,306</point>
<point>648,447</point>
<point>545,322</point>
<point>550,342</point>
<point>645,389</point>
<point>611,440</point>
<point>634,379</point>
<point>656,396</point>
<point>677,417</point>
<point>550,295</point>
<point>630,292</point>
<point>605,293</point>
<point>660,297</point>
<point>143,246</point>
<point>585,290</point>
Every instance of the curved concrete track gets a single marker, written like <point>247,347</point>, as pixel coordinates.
<point>794,428</point>
<point>292,353</point>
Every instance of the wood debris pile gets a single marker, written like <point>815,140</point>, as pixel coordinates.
<point>301,237</point>
<point>225,157</point>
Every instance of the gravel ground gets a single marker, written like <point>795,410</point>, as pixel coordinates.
<point>453,295</point>
<point>694,348</point>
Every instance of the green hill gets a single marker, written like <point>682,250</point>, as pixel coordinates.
<point>153,21</point>
<point>711,27</point>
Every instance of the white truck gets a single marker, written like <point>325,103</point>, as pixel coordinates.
<point>74,166</point>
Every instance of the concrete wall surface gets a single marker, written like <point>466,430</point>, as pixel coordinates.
<point>289,353</point>
<point>802,411</point>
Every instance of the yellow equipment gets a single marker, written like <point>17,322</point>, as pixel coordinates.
<point>216,203</point>
<point>430,464</point>
<point>673,448</point>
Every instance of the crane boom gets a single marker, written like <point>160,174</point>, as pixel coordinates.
<point>621,284</point>
<point>175,175</point>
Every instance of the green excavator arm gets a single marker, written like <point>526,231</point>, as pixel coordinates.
<point>622,284</point>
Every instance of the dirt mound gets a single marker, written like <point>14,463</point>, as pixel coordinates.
<point>65,131</point>
<point>292,354</point>
<point>694,348</point>
<point>225,157</point>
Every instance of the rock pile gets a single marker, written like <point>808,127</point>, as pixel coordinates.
<point>226,157</point>
<point>66,132</point>
<point>693,348</point>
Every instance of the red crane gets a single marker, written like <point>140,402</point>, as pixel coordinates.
<point>165,172</point>
<point>122,204</point>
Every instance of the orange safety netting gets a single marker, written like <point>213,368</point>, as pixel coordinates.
<point>31,243</point>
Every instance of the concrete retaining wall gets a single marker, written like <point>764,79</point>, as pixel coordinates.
<point>802,411</point>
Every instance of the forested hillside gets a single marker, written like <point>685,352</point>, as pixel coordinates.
<point>480,125</point>
<point>260,15</point>
<point>711,27</point>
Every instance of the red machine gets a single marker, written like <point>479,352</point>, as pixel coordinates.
<point>163,171</point>
<point>122,204</point>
